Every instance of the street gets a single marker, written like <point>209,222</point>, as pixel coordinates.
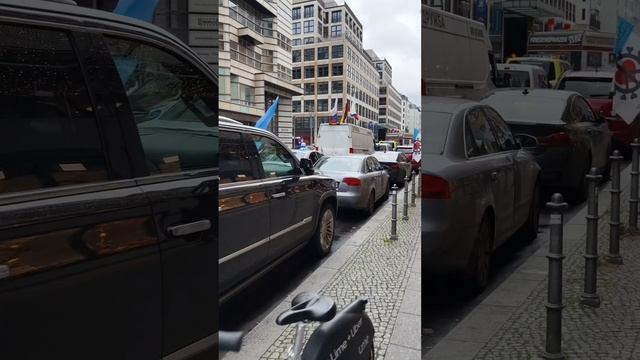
<point>247,308</point>
<point>444,305</point>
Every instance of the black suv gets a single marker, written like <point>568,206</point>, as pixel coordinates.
<point>108,187</point>
<point>270,205</point>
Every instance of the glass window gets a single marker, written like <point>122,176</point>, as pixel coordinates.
<point>336,30</point>
<point>528,107</point>
<point>235,160</point>
<point>479,138</point>
<point>296,73</point>
<point>323,105</point>
<point>323,70</point>
<point>308,40</point>
<point>503,134</point>
<point>337,51</point>
<point>296,42</point>
<point>309,72</point>
<point>309,54</point>
<point>308,11</point>
<point>309,89</point>
<point>295,13</point>
<point>297,28</point>
<point>340,163</point>
<point>175,107</point>
<point>296,56</point>
<point>584,110</point>
<point>308,26</point>
<point>309,104</point>
<point>591,87</point>
<point>276,160</point>
<point>323,88</point>
<point>48,132</point>
<point>336,86</point>
<point>296,105</point>
<point>323,53</point>
<point>336,69</point>
<point>336,16</point>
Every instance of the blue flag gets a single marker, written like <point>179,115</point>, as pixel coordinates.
<point>263,122</point>
<point>139,9</point>
<point>416,133</point>
<point>625,28</point>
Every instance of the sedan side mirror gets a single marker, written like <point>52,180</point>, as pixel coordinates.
<point>307,166</point>
<point>526,141</point>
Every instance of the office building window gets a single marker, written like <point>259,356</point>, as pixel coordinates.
<point>295,56</point>
<point>296,42</point>
<point>336,69</point>
<point>309,72</point>
<point>336,16</point>
<point>296,73</point>
<point>337,51</point>
<point>295,13</point>
<point>323,70</point>
<point>308,26</point>
<point>296,106</point>
<point>336,87</point>
<point>309,54</point>
<point>336,30</point>
<point>309,105</point>
<point>323,105</point>
<point>309,89</point>
<point>296,28</point>
<point>308,40</point>
<point>323,88</point>
<point>323,53</point>
<point>308,11</point>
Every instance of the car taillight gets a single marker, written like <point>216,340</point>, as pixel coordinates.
<point>434,187</point>
<point>559,139</point>
<point>351,181</point>
<point>350,150</point>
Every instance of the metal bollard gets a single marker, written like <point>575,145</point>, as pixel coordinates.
<point>405,208</point>
<point>394,212</point>
<point>614,224</point>
<point>633,197</point>
<point>589,296</point>
<point>553,348</point>
<point>413,190</point>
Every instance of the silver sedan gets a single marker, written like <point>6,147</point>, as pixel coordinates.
<point>479,187</point>
<point>363,181</point>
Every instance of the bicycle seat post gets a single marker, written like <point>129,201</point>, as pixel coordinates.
<point>295,351</point>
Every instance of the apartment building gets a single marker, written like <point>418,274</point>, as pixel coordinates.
<point>255,62</point>
<point>410,115</point>
<point>331,67</point>
<point>390,108</point>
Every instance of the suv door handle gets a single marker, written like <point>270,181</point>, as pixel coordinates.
<point>278,195</point>
<point>189,228</point>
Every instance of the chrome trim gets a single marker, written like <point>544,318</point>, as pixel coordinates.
<point>264,241</point>
<point>189,228</point>
<point>194,348</point>
<point>242,251</point>
<point>278,195</point>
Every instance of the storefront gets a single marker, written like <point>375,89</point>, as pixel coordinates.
<point>585,50</point>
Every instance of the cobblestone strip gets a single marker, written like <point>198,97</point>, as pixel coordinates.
<point>379,271</point>
<point>609,332</point>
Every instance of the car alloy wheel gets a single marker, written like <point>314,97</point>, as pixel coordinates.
<point>327,225</point>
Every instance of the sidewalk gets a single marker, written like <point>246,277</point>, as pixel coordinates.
<point>511,322</point>
<point>368,265</point>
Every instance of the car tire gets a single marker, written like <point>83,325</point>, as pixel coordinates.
<point>325,231</point>
<point>371,204</point>
<point>481,269</point>
<point>529,229</point>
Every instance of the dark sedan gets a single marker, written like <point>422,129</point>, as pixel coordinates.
<point>396,164</point>
<point>478,187</point>
<point>561,130</point>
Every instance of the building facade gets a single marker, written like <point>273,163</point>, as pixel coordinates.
<point>390,109</point>
<point>331,67</point>
<point>255,62</point>
<point>410,116</point>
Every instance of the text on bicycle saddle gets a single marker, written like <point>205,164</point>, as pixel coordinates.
<point>308,307</point>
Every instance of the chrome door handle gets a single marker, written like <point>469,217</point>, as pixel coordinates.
<point>278,195</point>
<point>189,228</point>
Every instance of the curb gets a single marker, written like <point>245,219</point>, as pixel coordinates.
<point>465,340</point>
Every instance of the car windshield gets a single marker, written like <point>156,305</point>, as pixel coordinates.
<point>347,164</point>
<point>406,150</point>
<point>434,130</point>
<point>590,87</point>
<point>514,78</point>
<point>527,107</point>
<point>389,156</point>
<point>546,65</point>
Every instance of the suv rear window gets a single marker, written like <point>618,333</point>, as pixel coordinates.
<point>435,128</point>
<point>589,87</point>
<point>48,132</point>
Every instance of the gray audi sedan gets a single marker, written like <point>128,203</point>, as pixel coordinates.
<point>363,181</point>
<point>479,187</point>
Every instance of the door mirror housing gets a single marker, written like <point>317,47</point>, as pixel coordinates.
<point>307,166</point>
<point>526,141</point>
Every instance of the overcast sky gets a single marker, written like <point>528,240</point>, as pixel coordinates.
<point>392,29</point>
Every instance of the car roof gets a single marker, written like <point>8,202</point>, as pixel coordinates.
<point>596,74</point>
<point>229,123</point>
<point>526,67</point>
<point>533,93</point>
<point>357,156</point>
<point>447,104</point>
<point>545,59</point>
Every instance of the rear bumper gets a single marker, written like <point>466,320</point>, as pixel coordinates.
<point>351,200</point>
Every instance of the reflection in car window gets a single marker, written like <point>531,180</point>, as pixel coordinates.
<point>503,133</point>
<point>276,160</point>
<point>479,137</point>
<point>584,110</point>
<point>435,128</point>
<point>594,87</point>
<point>174,105</point>
<point>342,163</point>
<point>517,107</point>
<point>235,160</point>
<point>48,132</point>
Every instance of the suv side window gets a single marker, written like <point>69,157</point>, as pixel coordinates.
<point>174,105</point>
<point>586,114</point>
<point>503,134</point>
<point>235,161</point>
<point>48,131</point>
<point>479,138</point>
<point>276,160</point>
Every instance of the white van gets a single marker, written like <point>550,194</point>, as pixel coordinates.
<point>457,58</point>
<point>522,76</point>
<point>342,139</point>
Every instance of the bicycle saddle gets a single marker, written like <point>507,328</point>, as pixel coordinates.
<point>308,306</point>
